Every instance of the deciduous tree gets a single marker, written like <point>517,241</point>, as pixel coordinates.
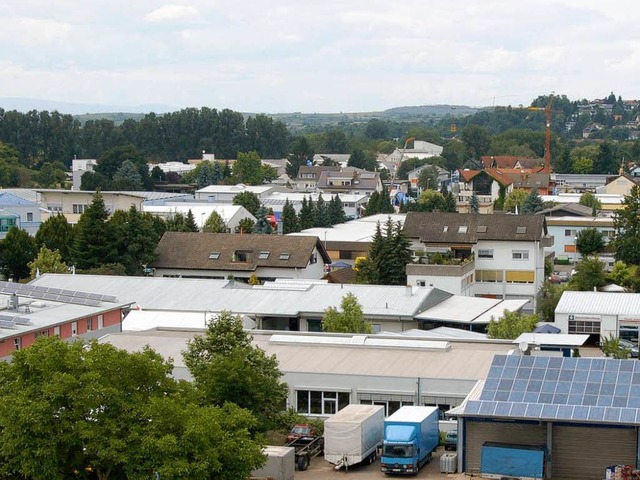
<point>627,226</point>
<point>511,325</point>
<point>214,224</point>
<point>56,233</point>
<point>248,200</point>
<point>589,274</point>
<point>589,241</point>
<point>515,199</point>
<point>47,261</point>
<point>349,320</point>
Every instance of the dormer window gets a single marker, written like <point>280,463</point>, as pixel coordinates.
<point>241,256</point>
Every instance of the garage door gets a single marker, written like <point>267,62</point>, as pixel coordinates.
<point>585,452</point>
<point>477,433</point>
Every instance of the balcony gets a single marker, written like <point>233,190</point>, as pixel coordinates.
<point>449,267</point>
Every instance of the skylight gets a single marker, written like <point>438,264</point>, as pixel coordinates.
<point>214,255</point>
<point>284,256</point>
<point>521,229</point>
<point>462,229</point>
<point>481,229</point>
<point>263,255</point>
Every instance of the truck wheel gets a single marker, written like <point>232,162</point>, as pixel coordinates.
<point>303,463</point>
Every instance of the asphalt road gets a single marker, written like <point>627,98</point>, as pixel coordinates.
<point>321,470</point>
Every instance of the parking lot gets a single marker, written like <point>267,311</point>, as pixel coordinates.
<point>321,469</point>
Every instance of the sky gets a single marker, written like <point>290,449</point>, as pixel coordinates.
<point>320,56</point>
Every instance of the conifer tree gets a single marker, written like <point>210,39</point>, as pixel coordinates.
<point>94,243</point>
<point>474,204</point>
<point>322,213</point>
<point>290,223</point>
<point>190,222</point>
<point>336,211</point>
<point>262,226</point>
<point>533,203</point>
<point>306,215</point>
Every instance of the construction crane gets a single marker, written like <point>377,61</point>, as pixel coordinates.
<point>396,166</point>
<point>547,131</point>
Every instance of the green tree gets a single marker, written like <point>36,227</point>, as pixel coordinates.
<point>336,211</point>
<point>47,261</point>
<point>226,367</point>
<point>625,275</point>
<point>113,159</point>
<point>388,257</point>
<point>532,203</point>
<point>377,129</point>
<point>360,158</point>
<point>127,177</point>
<point>476,141</point>
<point>589,241</point>
<point>17,249</point>
<point>248,200</point>
<point>627,226</point>
<point>51,175</point>
<point>511,325</point>
<point>190,222</point>
<point>262,225</point>
<point>515,199</point>
<point>367,270</point>
<point>589,274</point>
<point>290,223</point>
<point>349,320</point>
<point>323,220</point>
<point>248,169</point>
<point>582,165</point>
<point>547,300</point>
<point>214,224</point>
<point>245,226</point>
<point>306,214</point>
<point>474,204</point>
<point>428,178</point>
<point>94,244</point>
<point>611,347</point>
<point>300,152</point>
<point>56,233</point>
<point>588,199</point>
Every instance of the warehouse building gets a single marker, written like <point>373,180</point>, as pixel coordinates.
<point>583,413</point>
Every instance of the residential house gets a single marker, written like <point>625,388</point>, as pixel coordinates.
<point>34,312</point>
<point>488,185</point>
<point>226,193</point>
<point>80,166</point>
<point>231,215</point>
<point>308,176</point>
<point>619,184</point>
<point>352,204</point>
<point>511,162</point>
<point>349,180</point>
<point>565,231</point>
<point>26,215</point>
<point>72,203</point>
<point>414,175</point>
<point>567,210</point>
<point>225,255</point>
<point>341,159</point>
<point>420,150</point>
<point>506,253</point>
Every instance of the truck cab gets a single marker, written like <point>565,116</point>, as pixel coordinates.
<point>400,450</point>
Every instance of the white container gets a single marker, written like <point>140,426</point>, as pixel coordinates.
<point>280,463</point>
<point>449,463</point>
<point>353,434</point>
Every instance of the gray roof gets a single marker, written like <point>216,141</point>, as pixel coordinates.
<point>27,194</point>
<point>193,250</point>
<point>11,200</point>
<point>438,227</point>
<point>279,299</point>
<point>567,209</point>
<point>599,303</point>
<point>361,179</point>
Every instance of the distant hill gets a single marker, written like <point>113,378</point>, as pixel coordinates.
<point>432,110</point>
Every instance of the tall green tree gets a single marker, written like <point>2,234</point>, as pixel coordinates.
<point>532,203</point>
<point>323,220</point>
<point>290,223</point>
<point>262,225</point>
<point>47,261</point>
<point>349,320</point>
<point>190,222</point>
<point>476,141</point>
<point>226,367</point>
<point>17,249</point>
<point>306,216</point>
<point>388,257</point>
<point>627,226</point>
<point>56,233</point>
<point>547,300</point>
<point>588,199</point>
<point>248,169</point>
<point>94,243</point>
<point>336,211</point>
<point>300,152</point>
<point>136,237</point>
<point>248,200</point>
<point>511,325</point>
<point>589,241</point>
<point>214,224</point>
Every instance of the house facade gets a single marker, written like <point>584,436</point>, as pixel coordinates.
<point>348,180</point>
<point>495,256</point>
<point>488,185</point>
<point>226,193</point>
<point>72,203</point>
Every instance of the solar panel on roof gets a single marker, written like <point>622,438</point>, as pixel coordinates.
<point>22,320</point>
<point>6,324</point>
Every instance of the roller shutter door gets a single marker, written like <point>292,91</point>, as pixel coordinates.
<point>585,452</point>
<point>476,433</point>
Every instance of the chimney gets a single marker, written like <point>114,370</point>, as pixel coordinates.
<point>14,302</point>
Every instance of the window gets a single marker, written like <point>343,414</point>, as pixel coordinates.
<point>519,276</point>
<point>314,325</point>
<point>311,402</point>
<point>462,229</point>
<point>570,233</point>
<point>520,254</point>
<point>421,283</point>
<point>284,256</point>
<point>79,208</point>
<point>74,329</point>
<point>490,276</point>
<point>42,333</point>
<point>17,343</point>
<point>214,255</point>
<point>485,253</point>
<point>569,249</point>
<point>263,255</point>
<point>444,229</point>
<point>29,216</point>
<point>576,326</point>
<point>89,325</point>
<point>55,207</point>
<point>313,259</point>
<point>241,256</point>
<point>100,322</point>
<point>56,330</point>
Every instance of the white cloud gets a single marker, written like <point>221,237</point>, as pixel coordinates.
<point>172,12</point>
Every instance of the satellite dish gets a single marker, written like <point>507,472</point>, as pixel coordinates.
<point>523,346</point>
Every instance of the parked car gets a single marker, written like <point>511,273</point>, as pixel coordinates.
<point>451,440</point>
<point>303,430</point>
<point>632,347</point>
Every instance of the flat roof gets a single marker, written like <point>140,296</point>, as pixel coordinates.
<point>459,309</point>
<point>552,339</point>
<point>464,361</point>
<point>359,230</point>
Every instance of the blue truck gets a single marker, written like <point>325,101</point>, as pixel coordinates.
<point>410,436</point>
<point>498,460</point>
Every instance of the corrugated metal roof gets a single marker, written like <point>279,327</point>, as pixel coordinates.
<point>599,303</point>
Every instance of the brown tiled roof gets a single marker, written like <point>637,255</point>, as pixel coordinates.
<point>196,251</point>
<point>510,161</point>
<point>316,170</point>
<point>341,275</point>
<point>429,227</point>
<point>495,173</point>
<point>359,179</point>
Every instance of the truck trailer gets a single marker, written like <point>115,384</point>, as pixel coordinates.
<point>410,436</point>
<point>353,435</point>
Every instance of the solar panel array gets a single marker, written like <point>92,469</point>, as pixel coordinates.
<point>602,390</point>
<point>55,294</point>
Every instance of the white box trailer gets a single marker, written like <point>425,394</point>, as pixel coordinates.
<point>353,435</point>
<point>280,464</point>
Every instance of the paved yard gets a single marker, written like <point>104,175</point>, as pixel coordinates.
<point>320,470</point>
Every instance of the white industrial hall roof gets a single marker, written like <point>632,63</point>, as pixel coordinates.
<point>599,303</point>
